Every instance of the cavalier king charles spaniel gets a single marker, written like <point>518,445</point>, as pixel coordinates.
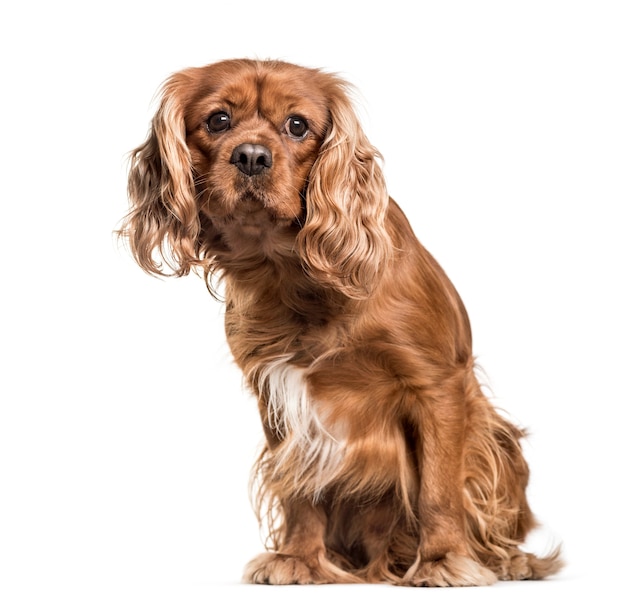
<point>383,461</point>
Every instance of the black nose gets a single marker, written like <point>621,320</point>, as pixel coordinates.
<point>251,158</point>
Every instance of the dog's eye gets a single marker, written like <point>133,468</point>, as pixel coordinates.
<point>297,127</point>
<point>218,122</point>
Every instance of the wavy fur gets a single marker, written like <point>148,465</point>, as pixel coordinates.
<point>383,461</point>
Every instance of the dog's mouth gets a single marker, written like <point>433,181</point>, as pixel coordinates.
<point>250,204</point>
<point>259,205</point>
<point>253,215</point>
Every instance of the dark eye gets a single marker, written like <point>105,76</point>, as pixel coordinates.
<point>297,127</point>
<point>218,122</point>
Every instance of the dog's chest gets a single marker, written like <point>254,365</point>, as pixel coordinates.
<point>285,316</point>
<point>309,444</point>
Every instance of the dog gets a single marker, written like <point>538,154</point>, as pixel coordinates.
<point>383,460</point>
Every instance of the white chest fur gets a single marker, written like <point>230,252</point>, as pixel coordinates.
<point>309,449</point>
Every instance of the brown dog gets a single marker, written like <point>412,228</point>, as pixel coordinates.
<point>384,461</point>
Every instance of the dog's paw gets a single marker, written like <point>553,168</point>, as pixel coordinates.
<point>451,570</point>
<point>277,568</point>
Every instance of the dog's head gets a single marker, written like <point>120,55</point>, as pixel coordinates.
<point>248,159</point>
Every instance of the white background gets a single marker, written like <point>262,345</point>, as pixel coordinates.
<point>125,435</point>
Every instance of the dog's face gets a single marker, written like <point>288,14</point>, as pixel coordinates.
<point>253,135</point>
<point>252,160</point>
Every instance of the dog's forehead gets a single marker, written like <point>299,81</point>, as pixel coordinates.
<point>275,91</point>
<point>268,89</point>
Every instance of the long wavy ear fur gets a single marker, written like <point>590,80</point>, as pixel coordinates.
<point>344,243</point>
<point>163,218</point>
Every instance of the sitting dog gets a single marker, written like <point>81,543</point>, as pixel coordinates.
<point>383,460</point>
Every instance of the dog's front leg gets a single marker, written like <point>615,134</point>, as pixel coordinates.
<point>301,558</point>
<point>443,557</point>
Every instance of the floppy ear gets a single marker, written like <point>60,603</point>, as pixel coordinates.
<point>163,217</point>
<point>344,242</point>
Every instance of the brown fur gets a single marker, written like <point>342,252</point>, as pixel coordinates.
<point>384,461</point>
